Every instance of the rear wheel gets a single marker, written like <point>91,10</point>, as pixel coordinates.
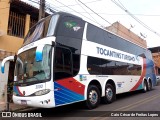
<point>93,97</point>
<point>149,85</point>
<point>145,86</point>
<point>110,94</point>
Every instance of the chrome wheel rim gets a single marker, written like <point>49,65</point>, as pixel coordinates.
<point>93,97</point>
<point>145,87</point>
<point>109,93</point>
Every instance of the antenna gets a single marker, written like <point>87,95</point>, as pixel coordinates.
<point>143,35</point>
<point>131,26</point>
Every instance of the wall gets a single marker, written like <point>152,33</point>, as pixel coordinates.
<point>7,42</point>
<point>3,81</point>
<point>10,43</point>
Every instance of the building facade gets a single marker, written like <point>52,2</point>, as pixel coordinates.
<point>16,17</point>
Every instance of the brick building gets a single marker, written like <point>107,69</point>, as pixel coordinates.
<point>122,31</point>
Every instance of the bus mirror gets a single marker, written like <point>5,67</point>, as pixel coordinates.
<point>39,52</point>
<point>10,58</point>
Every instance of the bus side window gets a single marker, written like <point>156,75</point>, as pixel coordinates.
<point>63,63</point>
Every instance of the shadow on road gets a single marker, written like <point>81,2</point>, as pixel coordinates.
<point>77,109</point>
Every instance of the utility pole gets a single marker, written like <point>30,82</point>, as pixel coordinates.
<point>42,9</point>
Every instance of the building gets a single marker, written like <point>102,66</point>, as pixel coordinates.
<point>122,31</point>
<point>156,57</point>
<point>16,17</point>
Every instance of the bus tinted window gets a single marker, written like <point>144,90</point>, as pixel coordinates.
<point>66,63</point>
<point>37,32</point>
<point>70,27</point>
<point>94,66</point>
<point>98,66</point>
<point>104,37</point>
<point>63,63</point>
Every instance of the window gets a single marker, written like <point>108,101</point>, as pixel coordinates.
<point>16,24</point>
<point>70,27</point>
<point>94,66</point>
<point>103,37</point>
<point>63,63</point>
<point>37,32</point>
<point>134,69</point>
<point>28,70</point>
<point>98,66</point>
<point>52,25</point>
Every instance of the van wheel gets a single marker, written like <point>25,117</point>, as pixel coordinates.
<point>110,94</point>
<point>93,97</point>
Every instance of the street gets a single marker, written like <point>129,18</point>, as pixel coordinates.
<point>138,104</point>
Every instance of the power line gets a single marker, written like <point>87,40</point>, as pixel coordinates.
<point>75,11</point>
<point>139,21</point>
<point>47,6</point>
<point>87,13</point>
<point>78,4</point>
<point>106,20</point>
<point>94,12</point>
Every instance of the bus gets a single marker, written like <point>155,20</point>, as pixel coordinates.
<point>65,59</point>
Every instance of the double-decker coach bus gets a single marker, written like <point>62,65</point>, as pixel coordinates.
<point>65,59</point>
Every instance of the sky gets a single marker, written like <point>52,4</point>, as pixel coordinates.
<point>105,12</point>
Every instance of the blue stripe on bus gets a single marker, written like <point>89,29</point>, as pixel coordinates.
<point>15,90</point>
<point>64,96</point>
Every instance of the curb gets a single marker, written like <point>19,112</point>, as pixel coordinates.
<point>16,110</point>
<point>24,109</point>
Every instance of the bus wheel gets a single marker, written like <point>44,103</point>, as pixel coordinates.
<point>93,97</point>
<point>145,86</point>
<point>110,94</point>
<point>149,85</point>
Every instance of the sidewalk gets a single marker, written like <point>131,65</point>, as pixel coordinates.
<point>12,107</point>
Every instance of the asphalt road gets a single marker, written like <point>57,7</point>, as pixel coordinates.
<point>129,106</point>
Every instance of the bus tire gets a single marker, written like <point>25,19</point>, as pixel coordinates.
<point>93,97</point>
<point>149,85</point>
<point>145,86</point>
<point>110,94</point>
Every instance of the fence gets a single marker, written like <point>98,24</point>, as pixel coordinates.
<point>16,24</point>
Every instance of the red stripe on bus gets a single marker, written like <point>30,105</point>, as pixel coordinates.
<point>19,91</point>
<point>142,76</point>
<point>72,84</point>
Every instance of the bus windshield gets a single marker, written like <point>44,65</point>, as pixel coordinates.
<point>29,70</point>
<point>42,29</point>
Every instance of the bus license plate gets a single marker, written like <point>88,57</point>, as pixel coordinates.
<point>23,102</point>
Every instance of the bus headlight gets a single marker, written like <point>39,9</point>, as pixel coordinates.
<point>42,92</point>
